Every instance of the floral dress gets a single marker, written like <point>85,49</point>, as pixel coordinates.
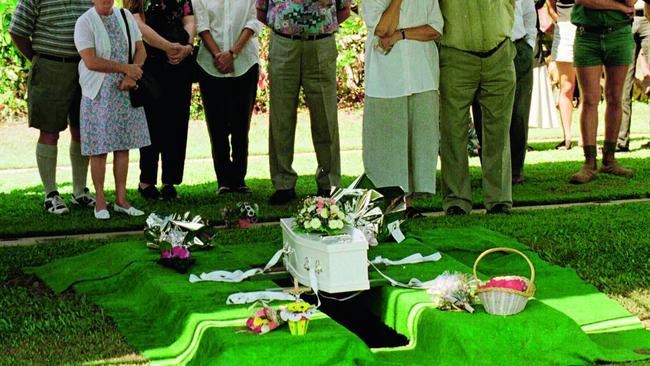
<point>109,122</point>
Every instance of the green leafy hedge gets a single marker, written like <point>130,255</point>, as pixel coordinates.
<point>351,39</point>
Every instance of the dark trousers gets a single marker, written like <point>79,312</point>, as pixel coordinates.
<point>641,33</point>
<point>521,108</point>
<point>167,121</point>
<point>228,103</point>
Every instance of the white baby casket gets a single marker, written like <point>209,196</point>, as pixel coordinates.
<point>338,263</point>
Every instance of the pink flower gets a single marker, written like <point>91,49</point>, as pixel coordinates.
<point>166,254</point>
<point>180,252</point>
<point>514,284</point>
<point>320,206</point>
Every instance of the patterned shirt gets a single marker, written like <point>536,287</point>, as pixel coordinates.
<point>49,24</point>
<point>299,17</point>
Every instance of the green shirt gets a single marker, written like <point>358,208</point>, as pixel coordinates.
<point>476,25</point>
<point>582,15</point>
<point>49,24</point>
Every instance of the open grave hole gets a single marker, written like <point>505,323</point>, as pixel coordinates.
<point>355,315</point>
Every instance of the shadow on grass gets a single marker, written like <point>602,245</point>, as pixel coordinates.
<point>547,183</point>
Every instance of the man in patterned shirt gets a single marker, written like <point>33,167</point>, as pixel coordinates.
<point>43,31</point>
<point>303,53</point>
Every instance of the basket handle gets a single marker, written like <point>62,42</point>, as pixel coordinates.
<point>531,285</point>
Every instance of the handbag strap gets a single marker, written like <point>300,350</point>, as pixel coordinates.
<point>128,34</point>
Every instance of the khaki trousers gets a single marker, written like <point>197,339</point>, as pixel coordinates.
<point>312,65</point>
<point>492,80</point>
<point>400,141</point>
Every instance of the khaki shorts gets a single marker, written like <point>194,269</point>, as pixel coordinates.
<point>54,95</point>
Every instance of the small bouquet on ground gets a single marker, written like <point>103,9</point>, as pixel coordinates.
<point>243,215</point>
<point>297,315</point>
<point>453,291</point>
<point>184,230</point>
<point>264,320</point>
<point>176,257</point>
<point>321,215</point>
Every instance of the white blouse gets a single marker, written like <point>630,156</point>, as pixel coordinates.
<point>90,32</point>
<point>226,19</point>
<point>411,66</point>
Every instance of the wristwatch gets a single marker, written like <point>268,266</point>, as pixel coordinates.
<point>234,55</point>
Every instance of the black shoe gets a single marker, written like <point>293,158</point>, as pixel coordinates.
<point>282,197</point>
<point>168,192</point>
<point>244,190</point>
<point>564,145</point>
<point>620,148</point>
<point>151,192</point>
<point>224,190</point>
<point>413,213</point>
<point>323,192</point>
<point>499,209</point>
<point>646,145</point>
<point>455,211</point>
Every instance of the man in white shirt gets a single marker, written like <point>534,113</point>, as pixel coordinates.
<point>524,37</point>
<point>641,33</point>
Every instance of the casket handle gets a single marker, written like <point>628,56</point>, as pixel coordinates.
<point>318,268</point>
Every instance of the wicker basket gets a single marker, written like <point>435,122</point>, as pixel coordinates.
<point>505,301</point>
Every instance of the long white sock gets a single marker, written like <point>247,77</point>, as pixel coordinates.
<point>79,168</point>
<point>46,161</point>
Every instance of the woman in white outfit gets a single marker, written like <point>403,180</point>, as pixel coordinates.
<point>562,54</point>
<point>400,121</point>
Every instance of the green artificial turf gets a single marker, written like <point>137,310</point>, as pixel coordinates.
<point>607,246</point>
<point>161,313</point>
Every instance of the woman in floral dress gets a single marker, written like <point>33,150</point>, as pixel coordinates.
<point>108,121</point>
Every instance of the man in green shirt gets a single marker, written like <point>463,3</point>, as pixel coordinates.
<point>476,59</point>
<point>603,38</point>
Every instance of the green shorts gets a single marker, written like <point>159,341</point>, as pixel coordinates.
<point>609,49</point>
<point>54,95</point>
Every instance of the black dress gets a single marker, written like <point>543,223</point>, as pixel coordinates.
<point>168,119</point>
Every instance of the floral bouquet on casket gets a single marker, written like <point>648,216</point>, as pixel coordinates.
<point>321,215</point>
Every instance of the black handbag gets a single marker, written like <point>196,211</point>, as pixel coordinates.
<point>147,90</point>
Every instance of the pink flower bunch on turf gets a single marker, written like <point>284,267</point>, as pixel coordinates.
<point>511,283</point>
<point>263,320</point>
<point>176,252</point>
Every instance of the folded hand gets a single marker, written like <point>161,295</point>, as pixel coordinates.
<point>133,71</point>
<point>127,84</point>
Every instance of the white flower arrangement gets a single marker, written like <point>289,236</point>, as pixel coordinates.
<point>453,291</point>
<point>319,214</point>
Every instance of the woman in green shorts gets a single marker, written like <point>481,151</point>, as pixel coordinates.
<point>603,38</point>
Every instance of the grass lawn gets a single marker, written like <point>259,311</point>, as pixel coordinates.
<point>605,245</point>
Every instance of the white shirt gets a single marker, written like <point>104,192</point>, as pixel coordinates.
<point>525,22</point>
<point>90,32</point>
<point>226,19</point>
<point>411,66</point>
<point>639,5</point>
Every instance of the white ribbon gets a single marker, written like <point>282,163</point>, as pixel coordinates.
<point>250,297</point>
<point>411,259</point>
<point>238,275</point>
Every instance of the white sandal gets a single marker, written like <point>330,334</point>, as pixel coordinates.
<point>102,214</point>
<point>131,211</point>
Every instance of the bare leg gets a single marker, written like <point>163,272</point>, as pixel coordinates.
<point>98,173</point>
<point>614,80</point>
<point>120,171</point>
<point>589,79</point>
<point>567,86</point>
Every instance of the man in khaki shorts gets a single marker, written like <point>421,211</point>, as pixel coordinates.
<point>303,53</point>
<point>43,31</point>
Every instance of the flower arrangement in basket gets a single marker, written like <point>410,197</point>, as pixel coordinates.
<point>453,291</point>
<point>297,315</point>
<point>243,215</point>
<point>505,295</point>
<point>321,215</point>
<point>176,257</point>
